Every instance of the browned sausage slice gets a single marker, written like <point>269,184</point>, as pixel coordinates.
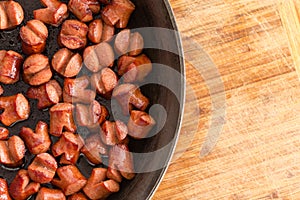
<point>67,63</point>
<point>38,141</point>
<point>50,194</point>
<point>11,14</point>
<point>33,37</point>
<point>54,13</point>
<point>4,195</point>
<point>10,64</point>
<point>43,168</point>
<point>36,70</point>
<point>21,187</point>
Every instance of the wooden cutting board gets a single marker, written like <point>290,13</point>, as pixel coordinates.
<point>258,153</point>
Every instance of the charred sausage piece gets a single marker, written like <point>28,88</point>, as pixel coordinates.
<point>114,174</point>
<point>33,37</point>
<point>61,118</point>
<point>68,146</point>
<point>98,57</point>
<point>47,94</point>
<point>120,158</point>
<point>134,68</point>
<point>107,33</point>
<point>88,115</point>
<point>12,151</point>
<point>11,14</point>
<point>81,10</point>
<point>43,168</point>
<point>36,70</point>
<point>93,148</point>
<point>99,188</point>
<point>21,187</point>
<point>113,133</point>
<point>140,124</point>
<point>73,34</point>
<point>67,63</point>
<point>4,190</point>
<point>129,95</point>
<point>77,196</point>
<point>50,194</point>
<point>54,13</point>
<point>95,31</point>
<point>10,64</point>
<point>4,132</point>
<point>104,82</point>
<point>118,13</point>
<point>70,179</point>
<point>38,141</point>
<point>75,90</point>
<point>16,108</point>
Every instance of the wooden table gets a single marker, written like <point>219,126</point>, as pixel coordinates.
<point>258,153</point>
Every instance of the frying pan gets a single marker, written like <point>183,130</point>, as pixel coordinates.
<point>150,13</point>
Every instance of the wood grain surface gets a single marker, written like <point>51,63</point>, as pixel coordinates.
<point>258,153</point>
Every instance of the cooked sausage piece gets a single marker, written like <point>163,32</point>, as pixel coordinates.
<point>131,43</point>
<point>99,188</point>
<point>12,151</point>
<point>68,146</point>
<point>61,118</point>
<point>129,95</point>
<point>50,194</point>
<point>94,148</point>
<point>75,90</point>
<point>134,69</point>
<point>70,179</point>
<point>47,94</point>
<point>118,13</point>
<point>81,10</point>
<point>95,31</point>
<point>16,108</point>
<point>140,124</point>
<point>113,133</point>
<point>21,187</point>
<point>98,57</point>
<point>36,70</point>
<point>4,195</point>
<point>10,64</point>
<point>39,141</point>
<point>107,33</point>
<point>77,196</point>
<point>54,13</point>
<point>122,42</point>
<point>73,34</point>
<point>114,174</point>
<point>67,63</point>
<point>104,82</point>
<point>136,44</point>
<point>43,168</point>
<point>120,158</point>
<point>33,36</point>
<point>4,132</point>
<point>11,14</point>
<point>88,115</point>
